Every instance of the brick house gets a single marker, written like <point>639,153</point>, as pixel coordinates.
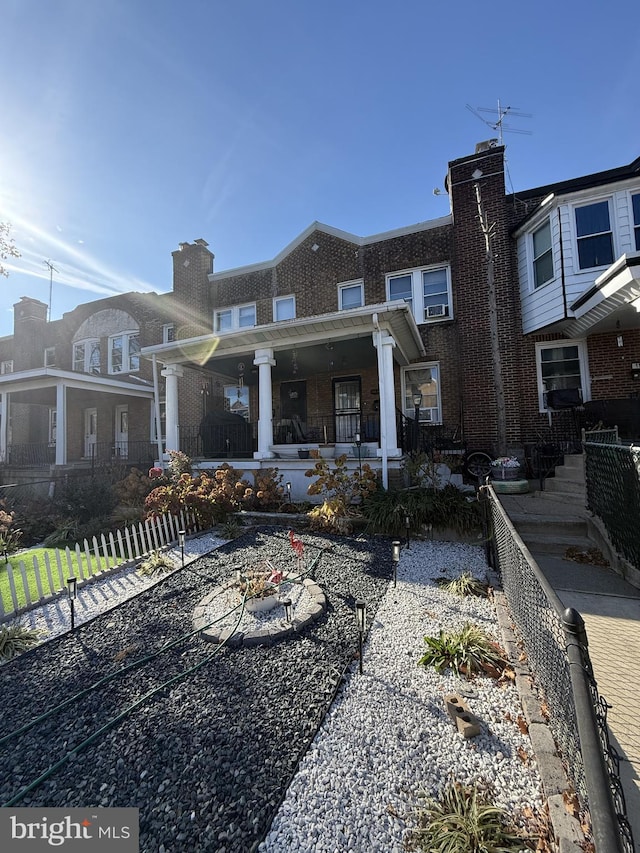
<point>338,342</point>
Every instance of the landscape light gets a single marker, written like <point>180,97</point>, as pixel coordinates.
<point>288,487</point>
<point>361,621</point>
<point>72,592</point>
<point>181,537</point>
<point>288,610</point>
<point>396,560</point>
<point>407,527</point>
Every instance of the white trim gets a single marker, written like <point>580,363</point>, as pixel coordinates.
<point>168,327</point>
<point>334,232</point>
<point>426,412</point>
<point>588,202</point>
<point>632,223</point>
<point>347,285</point>
<point>87,345</point>
<point>234,310</point>
<point>417,291</point>
<point>585,384</point>
<point>126,336</point>
<point>531,258</point>
<point>282,299</point>
<point>49,362</point>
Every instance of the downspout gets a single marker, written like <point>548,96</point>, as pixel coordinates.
<point>383,404</point>
<point>156,407</point>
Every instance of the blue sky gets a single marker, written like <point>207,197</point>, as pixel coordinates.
<point>129,126</point>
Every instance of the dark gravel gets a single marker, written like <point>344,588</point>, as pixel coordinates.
<point>208,759</point>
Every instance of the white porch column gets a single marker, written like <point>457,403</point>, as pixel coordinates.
<point>4,426</point>
<point>264,361</point>
<point>61,424</point>
<point>171,373</point>
<point>384,345</point>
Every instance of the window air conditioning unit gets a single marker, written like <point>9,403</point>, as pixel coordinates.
<point>436,310</point>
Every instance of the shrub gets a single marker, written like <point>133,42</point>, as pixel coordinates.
<point>10,535</point>
<point>464,585</point>
<point>135,487</point>
<point>84,500</point>
<point>156,563</point>
<point>179,464</point>
<point>386,511</point>
<point>16,638</point>
<point>341,489</point>
<point>467,651</point>
<point>464,819</point>
<point>267,493</point>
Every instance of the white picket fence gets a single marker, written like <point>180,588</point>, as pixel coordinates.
<point>103,554</point>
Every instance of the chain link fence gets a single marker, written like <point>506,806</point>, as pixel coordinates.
<point>556,645</point>
<point>613,494</point>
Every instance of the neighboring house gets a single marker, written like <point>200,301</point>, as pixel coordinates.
<point>340,340</point>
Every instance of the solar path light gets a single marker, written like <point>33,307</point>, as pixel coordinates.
<point>72,592</point>
<point>361,621</point>
<point>396,560</point>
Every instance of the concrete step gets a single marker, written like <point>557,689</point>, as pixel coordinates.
<point>575,462</point>
<point>565,486</point>
<point>547,541</point>
<point>549,525</point>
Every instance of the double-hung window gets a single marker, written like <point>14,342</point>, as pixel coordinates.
<point>426,290</point>
<point>422,381</point>
<point>350,295</point>
<point>542,255</point>
<point>86,356</point>
<point>124,353</point>
<point>50,357</point>
<point>168,333</point>
<point>284,308</point>
<point>236,317</point>
<point>593,232</point>
<point>561,366</point>
<point>635,205</point>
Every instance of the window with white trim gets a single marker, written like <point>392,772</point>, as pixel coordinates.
<point>635,205</point>
<point>427,290</point>
<point>86,356</point>
<point>236,317</point>
<point>168,333</point>
<point>6,367</point>
<point>284,308</point>
<point>423,379</point>
<point>542,253</point>
<point>50,357</point>
<point>594,235</point>
<point>124,353</point>
<point>561,366</point>
<point>236,400</point>
<point>53,426</point>
<point>350,295</point>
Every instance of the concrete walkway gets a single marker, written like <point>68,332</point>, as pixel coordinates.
<point>610,608</point>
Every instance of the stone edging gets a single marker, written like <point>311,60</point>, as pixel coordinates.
<point>567,833</point>
<point>260,636</point>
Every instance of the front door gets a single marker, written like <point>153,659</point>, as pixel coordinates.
<point>292,428</point>
<point>90,432</point>
<point>346,407</point>
<point>122,432</point>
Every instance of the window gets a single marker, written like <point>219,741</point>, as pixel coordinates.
<point>237,317</point>
<point>86,356</point>
<point>6,367</point>
<point>350,295</point>
<point>561,366</point>
<point>53,426</point>
<point>426,290</point>
<point>50,357</point>
<point>593,230</point>
<point>168,333</point>
<point>542,255</point>
<point>423,379</point>
<point>124,353</point>
<point>236,400</point>
<point>284,308</point>
<point>635,203</point>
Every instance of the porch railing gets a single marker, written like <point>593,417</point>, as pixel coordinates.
<point>425,437</point>
<point>39,454</point>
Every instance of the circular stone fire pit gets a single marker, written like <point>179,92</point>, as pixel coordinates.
<point>261,627</point>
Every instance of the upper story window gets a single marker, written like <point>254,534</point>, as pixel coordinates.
<point>284,308</point>
<point>350,295</point>
<point>423,381</point>
<point>6,367</point>
<point>50,357</point>
<point>237,317</point>
<point>561,367</point>
<point>593,232</point>
<point>124,353</point>
<point>635,202</point>
<point>542,255</point>
<point>86,356</point>
<point>426,290</point>
<point>168,333</point>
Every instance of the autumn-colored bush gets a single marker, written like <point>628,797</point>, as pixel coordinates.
<point>343,491</point>
<point>135,487</point>
<point>268,491</point>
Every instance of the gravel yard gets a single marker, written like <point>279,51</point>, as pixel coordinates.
<point>250,751</point>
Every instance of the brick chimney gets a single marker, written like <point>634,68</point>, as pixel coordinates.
<point>192,265</point>
<point>29,333</point>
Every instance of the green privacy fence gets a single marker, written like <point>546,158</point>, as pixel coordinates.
<point>612,473</point>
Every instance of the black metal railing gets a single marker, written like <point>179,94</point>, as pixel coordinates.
<point>424,437</point>
<point>557,651</point>
<point>612,474</point>
<point>31,455</point>
<point>327,429</point>
<point>218,441</point>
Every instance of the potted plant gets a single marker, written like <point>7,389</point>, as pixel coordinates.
<point>260,588</point>
<point>505,468</point>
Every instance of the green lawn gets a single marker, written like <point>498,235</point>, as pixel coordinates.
<point>27,558</point>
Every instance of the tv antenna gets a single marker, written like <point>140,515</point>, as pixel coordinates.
<point>52,269</point>
<point>498,124</point>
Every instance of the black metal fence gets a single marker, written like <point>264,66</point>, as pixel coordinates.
<point>556,647</point>
<point>612,474</point>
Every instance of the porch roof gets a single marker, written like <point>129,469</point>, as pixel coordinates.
<point>613,302</point>
<point>394,317</point>
<point>50,377</point>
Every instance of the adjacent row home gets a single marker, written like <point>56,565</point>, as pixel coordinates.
<point>508,322</point>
